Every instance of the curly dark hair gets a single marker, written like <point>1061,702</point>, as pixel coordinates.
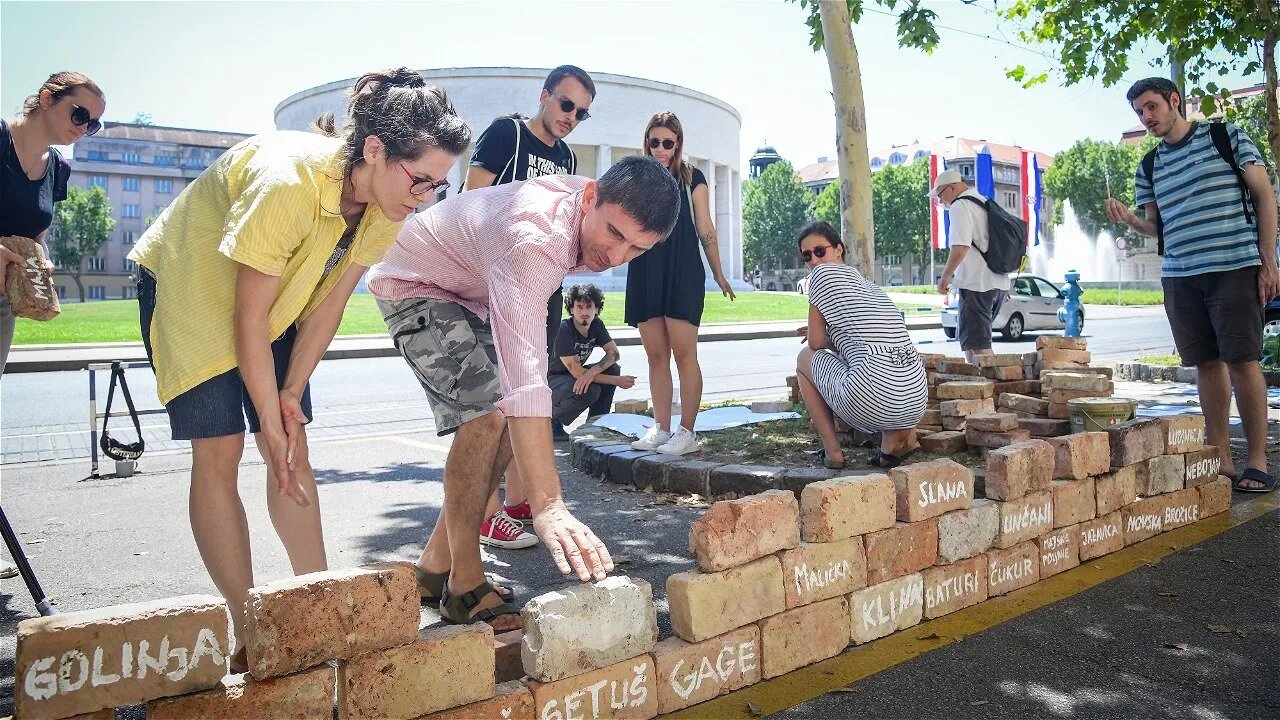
<point>584,293</point>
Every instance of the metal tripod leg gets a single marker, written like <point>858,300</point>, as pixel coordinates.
<point>24,567</point>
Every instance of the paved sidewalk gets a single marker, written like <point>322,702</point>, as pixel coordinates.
<point>49,358</point>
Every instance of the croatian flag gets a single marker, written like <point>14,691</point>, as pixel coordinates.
<point>938,220</point>
<point>1032,194</point>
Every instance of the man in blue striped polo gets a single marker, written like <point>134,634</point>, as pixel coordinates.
<point>1209,203</point>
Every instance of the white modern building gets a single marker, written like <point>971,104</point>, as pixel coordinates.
<point>622,107</point>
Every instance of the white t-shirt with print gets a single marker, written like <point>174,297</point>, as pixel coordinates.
<point>969,228</point>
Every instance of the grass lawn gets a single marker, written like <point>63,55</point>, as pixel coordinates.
<point>117,320</point>
<point>1105,296</point>
<point>1161,360</point>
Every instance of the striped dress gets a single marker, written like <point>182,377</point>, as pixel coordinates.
<point>874,378</point>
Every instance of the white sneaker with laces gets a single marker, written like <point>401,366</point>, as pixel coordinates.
<point>652,438</point>
<point>682,442</point>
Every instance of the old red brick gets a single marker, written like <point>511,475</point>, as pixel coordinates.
<point>1074,501</point>
<point>1059,550</point>
<point>735,532</point>
<point>1136,440</point>
<point>928,489</point>
<point>946,442</point>
<point>901,550</point>
<point>1024,519</point>
<point>1102,535</point>
<point>1019,468</point>
<point>1012,568</point>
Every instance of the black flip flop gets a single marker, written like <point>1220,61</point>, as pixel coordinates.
<point>886,461</point>
<point>1256,475</point>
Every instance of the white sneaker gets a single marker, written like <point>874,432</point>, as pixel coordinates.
<point>681,443</point>
<point>652,438</point>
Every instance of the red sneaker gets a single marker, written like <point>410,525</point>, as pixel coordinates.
<point>499,530</point>
<point>519,512</point>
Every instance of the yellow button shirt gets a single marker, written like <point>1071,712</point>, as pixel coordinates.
<point>271,203</point>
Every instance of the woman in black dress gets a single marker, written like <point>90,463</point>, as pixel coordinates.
<point>33,175</point>
<point>665,293</point>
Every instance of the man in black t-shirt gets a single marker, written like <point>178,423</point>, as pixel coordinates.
<point>574,386</point>
<point>513,149</point>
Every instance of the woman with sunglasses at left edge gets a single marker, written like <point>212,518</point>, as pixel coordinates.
<point>33,174</point>
<point>244,280</point>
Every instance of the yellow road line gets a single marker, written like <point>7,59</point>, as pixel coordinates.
<point>863,661</point>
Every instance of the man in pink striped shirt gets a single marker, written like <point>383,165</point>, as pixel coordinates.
<point>464,292</point>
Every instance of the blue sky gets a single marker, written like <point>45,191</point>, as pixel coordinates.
<point>225,65</point>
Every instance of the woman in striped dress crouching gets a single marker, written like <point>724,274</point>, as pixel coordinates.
<point>858,361</point>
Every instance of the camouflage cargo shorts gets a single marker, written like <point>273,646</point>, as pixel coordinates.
<point>451,351</point>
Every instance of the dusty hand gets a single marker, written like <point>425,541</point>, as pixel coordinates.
<point>8,256</point>
<point>1119,212</point>
<point>944,287</point>
<point>1268,283</point>
<point>583,382</point>
<point>626,382</point>
<point>725,288</point>
<point>293,418</point>
<point>573,546</point>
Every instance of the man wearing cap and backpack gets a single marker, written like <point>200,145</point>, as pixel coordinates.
<point>981,277</point>
<point>1207,200</point>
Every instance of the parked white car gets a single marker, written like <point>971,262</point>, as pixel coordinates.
<point>1031,305</point>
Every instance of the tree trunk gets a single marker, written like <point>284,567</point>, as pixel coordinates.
<point>1177,73</point>
<point>79,285</point>
<point>1267,11</point>
<point>851,136</point>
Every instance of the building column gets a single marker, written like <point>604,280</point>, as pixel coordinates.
<point>734,223</point>
<point>604,159</point>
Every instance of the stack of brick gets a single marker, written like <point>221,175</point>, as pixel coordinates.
<point>931,422</point>
<point>1059,387</point>
<point>586,651</point>
<point>1033,415</point>
<point>1174,474</point>
<point>958,395</point>
<point>1011,372</point>
<point>1056,352</point>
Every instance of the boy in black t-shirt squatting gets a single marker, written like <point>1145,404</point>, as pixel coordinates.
<point>574,386</point>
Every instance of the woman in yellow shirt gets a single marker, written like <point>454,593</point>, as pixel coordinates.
<point>244,280</point>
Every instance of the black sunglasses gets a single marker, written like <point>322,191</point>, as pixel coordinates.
<point>667,144</point>
<point>80,116</point>
<point>818,252</point>
<point>567,105</point>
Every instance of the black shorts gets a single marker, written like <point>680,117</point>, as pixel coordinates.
<point>976,313</point>
<point>1215,316</point>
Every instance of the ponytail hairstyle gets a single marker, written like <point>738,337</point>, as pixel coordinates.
<point>668,120</point>
<point>403,111</point>
<point>59,85</point>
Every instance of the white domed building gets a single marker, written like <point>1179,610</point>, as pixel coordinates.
<point>615,129</point>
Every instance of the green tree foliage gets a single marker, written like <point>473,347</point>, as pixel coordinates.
<point>826,207</point>
<point>1096,38</point>
<point>82,223</point>
<point>1085,173</point>
<point>900,206</point>
<point>774,208</point>
<point>1251,116</point>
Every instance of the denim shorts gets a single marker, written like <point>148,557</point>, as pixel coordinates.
<point>220,405</point>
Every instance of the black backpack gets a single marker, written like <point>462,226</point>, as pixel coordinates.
<point>1221,142</point>
<point>1006,238</point>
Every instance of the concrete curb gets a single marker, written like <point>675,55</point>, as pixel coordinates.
<point>55,358</point>
<point>1142,372</point>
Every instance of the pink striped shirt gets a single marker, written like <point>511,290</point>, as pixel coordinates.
<point>499,252</point>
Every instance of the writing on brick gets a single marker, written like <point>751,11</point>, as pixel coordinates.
<point>1186,436</point>
<point>75,671</point>
<point>1201,468</point>
<point>1030,516</point>
<point>1144,522</point>
<point>1001,574</point>
<point>1181,514</point>
<point>1054,557</point>
<point>882,609</point>
<point>952,587</point>
<point>740,658</point>
<point>592,701</point>
<point>932,493</point>
<point>807,580</point>
<point>1098,534</point>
